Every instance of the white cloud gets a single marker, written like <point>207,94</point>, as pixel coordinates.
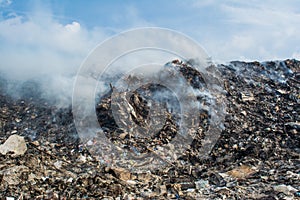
<point>31,48</point>
<point>255,30</point>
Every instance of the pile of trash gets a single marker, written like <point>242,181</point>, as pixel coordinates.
<point>256,156</point>
<point>144,120</point>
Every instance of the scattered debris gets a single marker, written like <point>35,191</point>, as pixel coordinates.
<point>286,189</point>
<point>256,157</point>
<point>14,175</point>
<point>121,174</point>
<point>242,172</point>
<point>247,97</point>
<point>202,184</point>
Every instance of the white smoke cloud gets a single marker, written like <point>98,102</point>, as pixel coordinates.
<point>37,44</point>
<point>41,48</point>
<point>32,49</point>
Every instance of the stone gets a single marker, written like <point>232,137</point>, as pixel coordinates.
<point>15,144</point>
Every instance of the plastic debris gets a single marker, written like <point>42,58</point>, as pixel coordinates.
<point>286,189</point>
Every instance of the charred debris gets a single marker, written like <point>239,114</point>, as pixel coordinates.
<point>257,155</point>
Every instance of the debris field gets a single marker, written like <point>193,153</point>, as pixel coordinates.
<point>256,156</point>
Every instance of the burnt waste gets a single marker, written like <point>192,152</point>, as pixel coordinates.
<point>257,155</point>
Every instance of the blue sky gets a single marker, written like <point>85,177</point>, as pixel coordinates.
<point>55,36</point>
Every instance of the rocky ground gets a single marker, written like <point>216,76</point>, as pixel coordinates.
<point>256,157</point>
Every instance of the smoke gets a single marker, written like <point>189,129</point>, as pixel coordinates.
<point>38,48</point>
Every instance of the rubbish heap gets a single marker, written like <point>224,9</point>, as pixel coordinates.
<point>256,156</point>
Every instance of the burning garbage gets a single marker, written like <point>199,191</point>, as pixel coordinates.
<point>255,152</point>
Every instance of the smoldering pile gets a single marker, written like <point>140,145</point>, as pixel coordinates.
<point>141,125</point>
<point>256,157</point>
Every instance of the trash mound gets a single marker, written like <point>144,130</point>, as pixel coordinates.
<point>149,117</point>
<point>257,155</point>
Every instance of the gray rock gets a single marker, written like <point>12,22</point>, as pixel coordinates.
<point>15,144</point>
